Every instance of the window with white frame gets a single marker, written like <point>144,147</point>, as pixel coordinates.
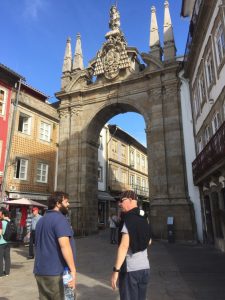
<point>100,143</point>
<point>200,144</point>
<point>45,131</point>
<point>138,181</point>
<point>132,180</point>
<point>202,88</point>
<point>138,159</point>
<point>124,177</point>
<point>1,142</point>
<point>123,151</point>
<point>143,183</point>
<point>143,162</point>
<point>24,125</point>
<point>209,68</point>
<point>224,111</point>
<point>20,169</point>
<point>196,103</point>
<point>220,43</point>
<point>216,122</point>
<point>132,158</point>
<point>42,172</point>
<point>100,173</point>
<point>207,134</point>
<point>114,146</point>
<point>2,102</point>
<point>115,174</point>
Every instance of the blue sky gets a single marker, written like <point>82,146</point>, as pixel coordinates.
<point>34,33</point>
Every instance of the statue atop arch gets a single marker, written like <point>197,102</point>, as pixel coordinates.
<point>113,55</point>
<point>114,22</point>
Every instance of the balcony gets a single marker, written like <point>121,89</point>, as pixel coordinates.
<point>192,27</point>
<point>212,154</point>
<point>117,186</point>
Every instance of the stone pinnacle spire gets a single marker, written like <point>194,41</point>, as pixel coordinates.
<point>169,44</point>
<point>154,32</point>
<point>78,56</point>
<point>154,41</point>
<point>67,62</point>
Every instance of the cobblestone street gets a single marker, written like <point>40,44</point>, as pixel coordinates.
<point>178,272</point>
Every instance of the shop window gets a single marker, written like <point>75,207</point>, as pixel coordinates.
<point>42,172</point>
<point>20,170</point>
<point>24,125</point>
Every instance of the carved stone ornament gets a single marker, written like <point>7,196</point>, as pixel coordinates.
<point>64,113</point>
<point>113,55</point>
<point>76,110</point>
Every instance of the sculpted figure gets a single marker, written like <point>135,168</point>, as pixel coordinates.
<point>114,22</point>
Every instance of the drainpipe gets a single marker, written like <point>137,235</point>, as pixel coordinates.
<point>8,152</point>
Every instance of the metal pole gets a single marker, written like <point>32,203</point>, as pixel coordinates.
<point>8,152</point>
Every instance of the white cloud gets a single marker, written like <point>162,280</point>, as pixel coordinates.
<point>33,7</point>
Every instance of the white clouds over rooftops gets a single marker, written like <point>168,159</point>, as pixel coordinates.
<point>33,8</point>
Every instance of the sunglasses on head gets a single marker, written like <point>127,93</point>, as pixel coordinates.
<point>123,199</point>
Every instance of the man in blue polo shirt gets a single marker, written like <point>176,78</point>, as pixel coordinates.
<point>55,249</point>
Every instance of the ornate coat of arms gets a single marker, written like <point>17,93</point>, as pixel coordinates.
<point>113,55</point>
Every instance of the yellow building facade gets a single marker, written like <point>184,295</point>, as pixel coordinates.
<point>33,151</point>
<point>127,164</point>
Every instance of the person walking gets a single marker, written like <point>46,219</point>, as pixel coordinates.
<point>4,245</point>
<point>113,221</point>
<point>132,267</point>
<point>36,217</point>
<point>55,249</point>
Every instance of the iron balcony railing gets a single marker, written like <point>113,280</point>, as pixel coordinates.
<point>192,26</point>
<point>118,186</point>
<point>212,153</point>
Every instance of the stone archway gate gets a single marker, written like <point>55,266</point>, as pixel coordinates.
<point>122,84</point>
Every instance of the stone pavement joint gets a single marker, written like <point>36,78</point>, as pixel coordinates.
<point>178,272</point>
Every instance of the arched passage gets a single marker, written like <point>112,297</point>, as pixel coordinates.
<point>124,84</point>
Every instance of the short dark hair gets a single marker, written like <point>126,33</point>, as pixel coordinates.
<point>57,196</point>
<point>129,194</point>
<point>4,211</point>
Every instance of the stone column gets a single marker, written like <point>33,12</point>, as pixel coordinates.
<point>169,196</point>
<point>156,148</point>
<point>88,184</point>
<point>64,129</point>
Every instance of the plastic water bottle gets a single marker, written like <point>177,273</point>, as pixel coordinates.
<point>68,291</point>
